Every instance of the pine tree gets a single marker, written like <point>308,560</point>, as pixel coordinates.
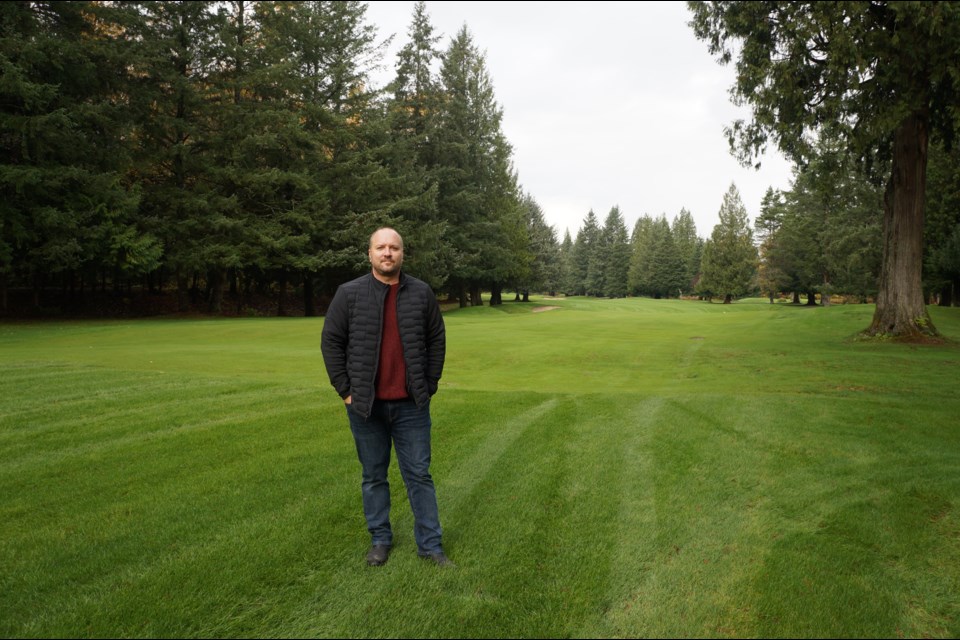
<point>729,257</point>
<point>585,248</point>
<point>616,258</point>
<point>689,245</point>
<point>640,274</point>
<point>414,117</point>
<point>66,211</point>
<point>172,63</point>
<point>668,276</point>
<point>544,251</point>
<point>478,192</point>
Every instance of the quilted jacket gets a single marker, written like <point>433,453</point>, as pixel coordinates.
<point>352,329</point>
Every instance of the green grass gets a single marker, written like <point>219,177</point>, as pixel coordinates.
<point>606,469</point>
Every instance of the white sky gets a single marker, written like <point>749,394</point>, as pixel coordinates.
<point>604,104</point>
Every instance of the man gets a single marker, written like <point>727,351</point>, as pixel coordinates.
<point>383,345</point>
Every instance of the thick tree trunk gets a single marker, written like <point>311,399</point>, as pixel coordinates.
<point>476,297</point>
<point>496,295</point>
<point>901,309</point>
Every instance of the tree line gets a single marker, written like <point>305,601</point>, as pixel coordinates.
<point>215,147</point>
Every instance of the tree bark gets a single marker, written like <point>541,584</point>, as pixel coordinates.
<point>496,295</point>
<point>901,309</point>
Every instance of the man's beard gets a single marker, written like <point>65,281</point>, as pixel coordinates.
<point>387,271</point>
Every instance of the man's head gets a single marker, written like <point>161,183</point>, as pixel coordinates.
<point>386,254</point>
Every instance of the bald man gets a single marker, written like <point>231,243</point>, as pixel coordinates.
<point>383,345</point>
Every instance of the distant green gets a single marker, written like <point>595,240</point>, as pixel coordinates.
<point>606,468</point>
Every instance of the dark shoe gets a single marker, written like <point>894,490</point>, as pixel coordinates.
<point>378,555</point>
<point>438,558</point>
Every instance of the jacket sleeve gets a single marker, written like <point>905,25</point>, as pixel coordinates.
<point>436,343</point>
<point>333,342</point>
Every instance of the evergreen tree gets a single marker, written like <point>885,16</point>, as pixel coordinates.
<point>174,106</point>
<point>544,271</point>
<point>822,235</point>
<point>66,212</point>
<point>567,280</point>
<point>414,112</point>
<point>729,257</point>
<point>478,192</point>
<point>669,270</point>
<point>770,275</point>
<point>616,255</point>
<point>585,248</point>
<point>941,266</point>
<point>689,246</point>
<point>640,274</point>
<point>334,51</point>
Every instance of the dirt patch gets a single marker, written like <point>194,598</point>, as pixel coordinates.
<point>540,309</point>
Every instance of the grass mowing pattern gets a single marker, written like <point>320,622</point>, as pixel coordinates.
<point>608,469</point>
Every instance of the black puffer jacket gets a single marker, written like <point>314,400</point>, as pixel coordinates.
<point>352,331</point>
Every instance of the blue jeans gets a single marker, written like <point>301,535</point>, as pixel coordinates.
<point>408,427</point>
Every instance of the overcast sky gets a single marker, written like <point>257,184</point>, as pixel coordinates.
<point>605,104</point>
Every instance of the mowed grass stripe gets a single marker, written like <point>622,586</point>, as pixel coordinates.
<point>203,526</point>
<point>63,393</point>
<point>245,569</point>
<point>50,432</point>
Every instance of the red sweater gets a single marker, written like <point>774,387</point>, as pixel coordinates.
<point>392,372</point>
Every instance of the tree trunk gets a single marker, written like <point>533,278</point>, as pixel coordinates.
<point>796,297</point>
<point>901,309</point>
<point>476,296</point>
<point>309,303</point>
<point>217,277</point>
<point>496,295</point>
<point>727,299</point>
<point>183,291</point>
<point>282,294</point>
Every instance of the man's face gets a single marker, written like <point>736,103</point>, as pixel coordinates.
<point>386,253</point>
